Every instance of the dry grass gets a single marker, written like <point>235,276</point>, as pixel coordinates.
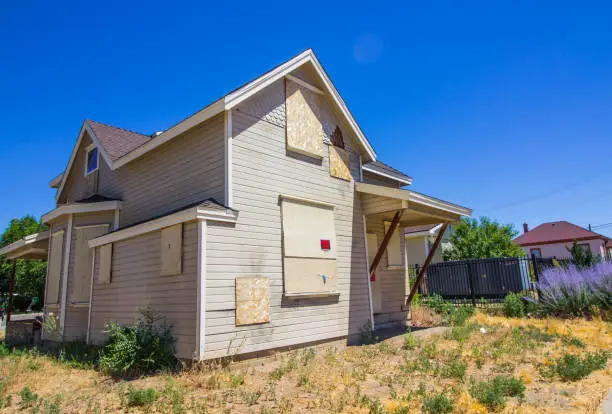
<point>392,376</point>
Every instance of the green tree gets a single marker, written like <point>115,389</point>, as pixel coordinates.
<point>30,274</point>
<point>580,256</point>
<point>474,239</point>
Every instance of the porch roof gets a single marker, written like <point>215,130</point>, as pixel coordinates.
<point>418,209</point>
<point>32,247</point>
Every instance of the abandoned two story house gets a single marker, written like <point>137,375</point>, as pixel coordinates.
<point>260,222</point>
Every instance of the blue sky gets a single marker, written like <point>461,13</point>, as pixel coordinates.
<point>504,107</point>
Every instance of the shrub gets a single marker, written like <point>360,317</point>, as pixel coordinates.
<point>144,347</point>
<point>575,291</point>
<point>492,394</point>
<point>28,398</point>
<point>454,369</point>
<point>140,397</point>
<point>514,306</point>
<point>438,403</point>
<point>571,367</point>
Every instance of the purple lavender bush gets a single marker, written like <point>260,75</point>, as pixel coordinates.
<point>576,291</point>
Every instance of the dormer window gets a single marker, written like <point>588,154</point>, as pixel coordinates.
<point>91,163</point>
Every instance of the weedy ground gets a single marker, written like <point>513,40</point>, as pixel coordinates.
<point>516,365</point>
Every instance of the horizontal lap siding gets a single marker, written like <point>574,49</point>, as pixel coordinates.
<point>189,169</point>
<point>136,283</point>
<point>392,281</point>
<point>262,171</point>
<point>75,324</point>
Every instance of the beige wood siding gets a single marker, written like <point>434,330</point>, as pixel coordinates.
<point>75,322</point>
<point>136,283</point>
<point>189,169</point>
<point>262,170</point>
<point>77,185</point>
<point>55,267</point>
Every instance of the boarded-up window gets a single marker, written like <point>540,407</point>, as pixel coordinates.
<point>172,250</point>
<point>339,163</point>
<point>55,267</point>
<point>304,128</point>
<point>309,247</point>
<point>81,276</point>
<point>394,249</point>
<point>252,300</point>
<point>106,262</point>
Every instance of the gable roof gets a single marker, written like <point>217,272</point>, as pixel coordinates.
<point>117,142</point>
<point>556,232</point>
<point>384,170</point>
<point>120,146</point>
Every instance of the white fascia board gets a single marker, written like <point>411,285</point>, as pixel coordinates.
<point>392,177</point>
<point>32,238</point>
<point>429,232</point>
<point>412,197</point>
<point>57,181</point>
<point>79,208</point>
<point>211,110</point>
<point>190,214</point>
<point>258,84</point>
<point>235,98</point>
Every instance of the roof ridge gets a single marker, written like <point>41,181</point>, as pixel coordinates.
<point>116,127</point>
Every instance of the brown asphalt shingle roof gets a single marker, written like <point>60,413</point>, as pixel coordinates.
<point>117,142</point>
<point>556,231</point>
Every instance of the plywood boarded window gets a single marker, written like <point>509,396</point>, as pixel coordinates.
<point>304,128</point>
<point>55,267</point>
<point>252,300</point>
<point>81,274</point>
<point>339,163</point>
<point>309,247</point>
<point>394,249</point>
<point>172,250</point>
<point>106,263</point>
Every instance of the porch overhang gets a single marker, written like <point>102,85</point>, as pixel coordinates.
<point>418,209</point>
<point>32,247</point>
<point>80,208</point>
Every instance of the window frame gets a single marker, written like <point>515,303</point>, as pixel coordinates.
<point>88,151</point>
<point>535,249</point>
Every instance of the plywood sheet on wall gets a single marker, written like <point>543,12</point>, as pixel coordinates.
<point>310,276</point>
<point>339,163</point>
<point>252,300</point>
<point>304,128</point>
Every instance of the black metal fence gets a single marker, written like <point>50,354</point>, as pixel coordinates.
<point>483,278</point>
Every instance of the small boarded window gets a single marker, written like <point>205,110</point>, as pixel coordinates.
<point>309,247</point>
<point>304,128</point>
<point>55,267</point>
<point>106,262</point>
<point>394,248</point>
<point>172,250</point>
<point>81,277</point>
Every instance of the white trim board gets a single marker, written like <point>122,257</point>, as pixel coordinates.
<point>411,196</point>
<point>78,208</point>
<point>201,272</point>
<point>190,214</point>
<point>227,103</point>
<point>392,177</point>
<point>32,238</point>
<point>65,265</point>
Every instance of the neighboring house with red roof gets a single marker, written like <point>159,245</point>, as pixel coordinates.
<point>555,238</point>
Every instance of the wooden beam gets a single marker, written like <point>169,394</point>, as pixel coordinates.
<point>385,242</point>
<point>428,260</point>
<point>11,289</point>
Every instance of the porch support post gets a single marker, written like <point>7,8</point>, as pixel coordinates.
<point>11,291</point>
<point>386,240</point>
<point>428,260</point>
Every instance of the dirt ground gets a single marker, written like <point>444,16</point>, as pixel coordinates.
<point>398,375</point>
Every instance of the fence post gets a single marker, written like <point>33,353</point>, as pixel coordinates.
<point>470,277</point>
